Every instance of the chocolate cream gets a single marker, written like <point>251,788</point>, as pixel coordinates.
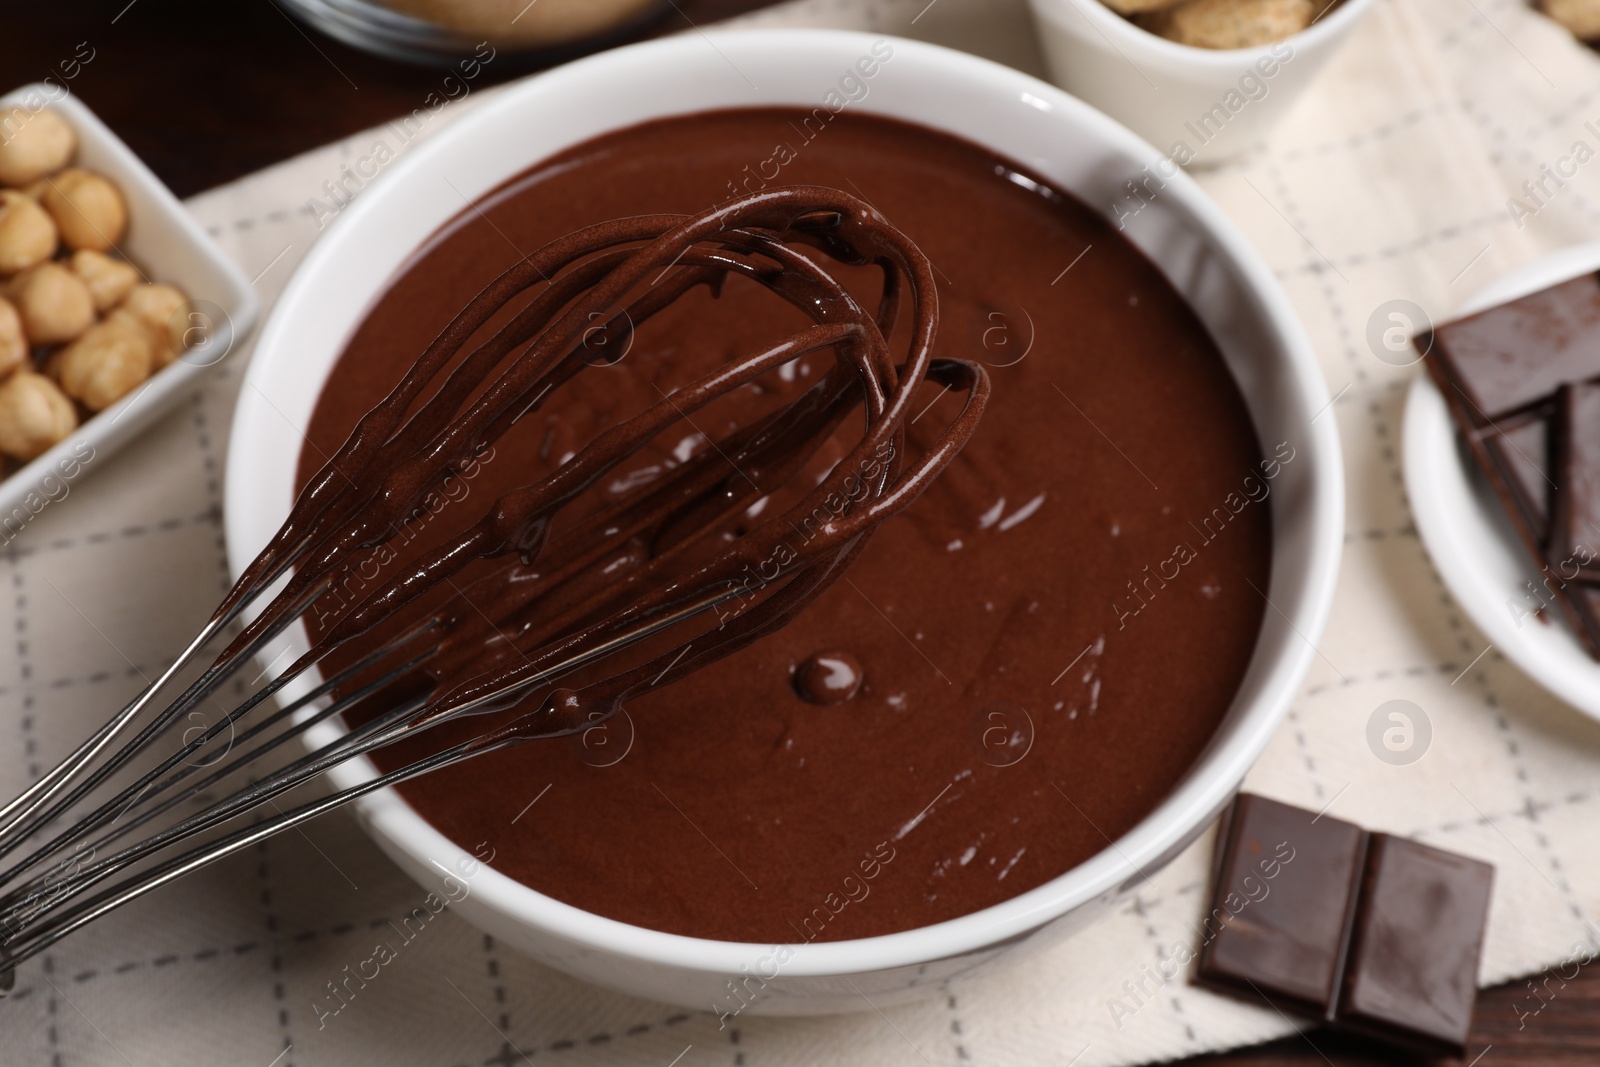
<point>1012,673</point>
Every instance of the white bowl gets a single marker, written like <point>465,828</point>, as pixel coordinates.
<point>1216,103</point>
<point>1466,530</point>
<point>167,245</point>
<point>1019,116</point>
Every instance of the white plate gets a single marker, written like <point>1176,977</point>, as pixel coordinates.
<point>1468,534</point>
<point>167,245</point>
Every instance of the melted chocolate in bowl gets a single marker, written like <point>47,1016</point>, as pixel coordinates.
<point>1042,645</point>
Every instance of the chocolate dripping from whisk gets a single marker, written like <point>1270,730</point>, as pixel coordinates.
<point>844,227</point>
<point>814,562</point>
<point>831,398</point>
<point>897,254</point>
<point>393,459</point>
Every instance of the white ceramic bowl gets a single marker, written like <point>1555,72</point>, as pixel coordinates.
<point>168,245</point>
<point>1466,530</point>
<point>1076,147</point>
<point>1217,103</point>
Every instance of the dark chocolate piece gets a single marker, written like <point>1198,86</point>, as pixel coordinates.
<point>1515,355</point>
<point>1499,371</point>
<point>1365,932</point>
<point>1412,972</point>
<point>1283,892</point>
<point>1519,447</point>
<point>1574,541</point>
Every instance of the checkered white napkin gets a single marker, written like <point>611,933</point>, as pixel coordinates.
<point>1389,181</point>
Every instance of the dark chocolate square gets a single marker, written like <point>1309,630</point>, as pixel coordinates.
<point>1520,449</point>
<point>1499,372</point>
<point>1412,972</point>
<point>1283,891</point>
<point>1575,514</point>
<point>1514,355</point>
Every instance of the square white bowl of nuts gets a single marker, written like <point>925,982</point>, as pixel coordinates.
<point>112,298</point>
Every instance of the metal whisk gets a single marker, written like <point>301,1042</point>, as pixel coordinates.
<point>113,821</point>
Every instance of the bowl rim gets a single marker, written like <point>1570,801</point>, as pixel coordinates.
<point>1208,785</point>
<point>1321,34</point>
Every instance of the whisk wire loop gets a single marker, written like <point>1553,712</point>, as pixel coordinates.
<point>554,635</point>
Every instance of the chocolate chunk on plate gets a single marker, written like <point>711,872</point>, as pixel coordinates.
<point>1512,356</point>
<point>1500,372</point>
<point>1519,448</point>
<point>1574,544</point>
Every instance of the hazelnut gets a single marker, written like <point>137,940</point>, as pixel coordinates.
<point>1226,24</point>
<point>107,362</point>
<point>13,342</point>
<point>109,280</point>
<point>155,305</point>
<point>55,304</point>
<point>27,236</point>
<point>34,415</point>
<point>88,209</point>
<point>33,144</point>
<point>1580,17</point>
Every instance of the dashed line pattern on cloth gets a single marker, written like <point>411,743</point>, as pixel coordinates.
<point>1500,134</point>
<point>280,996</point>
<point>1476,23</point>
<point>955,1031</point>
<point>1382,132</point>
<point>1297,219</point>
<point>1409,530</point>
<point>1405,248</point>
<point>249,222</point>
<point>101,537</point>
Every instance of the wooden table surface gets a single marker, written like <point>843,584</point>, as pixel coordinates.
<point>168,76</point>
